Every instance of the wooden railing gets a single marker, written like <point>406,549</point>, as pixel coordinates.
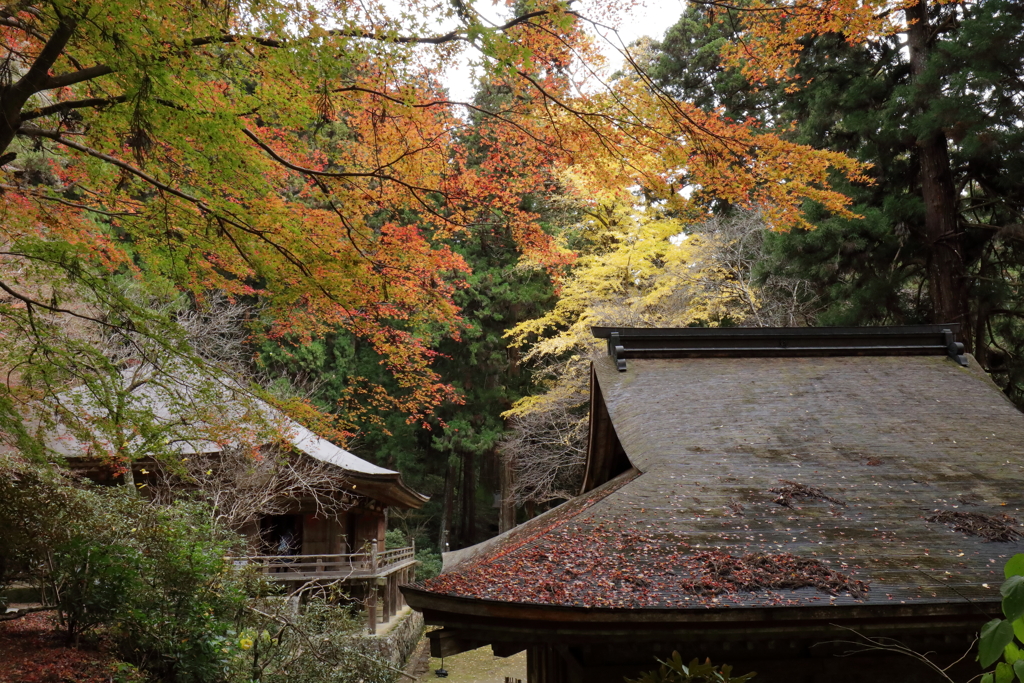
<point>340,566</point>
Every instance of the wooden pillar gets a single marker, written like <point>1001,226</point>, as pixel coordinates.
<point>545,665</point>
<point>386,590</point>
<point>534,664</point>
<point>382,614</point>
<point>371,606</point>
<point>393,586</point>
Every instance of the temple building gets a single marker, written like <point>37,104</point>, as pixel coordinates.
<point>780,500</point>
<point>317,514</point>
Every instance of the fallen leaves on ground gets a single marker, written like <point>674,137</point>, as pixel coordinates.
<point>34,651</point>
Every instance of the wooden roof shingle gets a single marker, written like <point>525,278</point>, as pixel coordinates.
<point>746,470</point>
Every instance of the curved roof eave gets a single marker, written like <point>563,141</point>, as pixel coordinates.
<point>450,608</point>
<point>389,488</point>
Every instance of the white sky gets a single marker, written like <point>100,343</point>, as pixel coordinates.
<point>651,18</point>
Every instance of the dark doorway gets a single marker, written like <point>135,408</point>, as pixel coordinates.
<point>282,534</point>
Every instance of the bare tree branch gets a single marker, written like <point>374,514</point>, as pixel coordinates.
<point>869,644</point>
<point>242,485</point>
<point>547,448</point>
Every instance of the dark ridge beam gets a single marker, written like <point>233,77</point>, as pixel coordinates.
<point>627,342</point>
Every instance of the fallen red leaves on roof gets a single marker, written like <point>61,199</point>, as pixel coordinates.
<point>718,572</point>
<point>602,567</point>
<point>999,528</point>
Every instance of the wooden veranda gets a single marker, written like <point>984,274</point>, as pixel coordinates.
<point>380,572</point>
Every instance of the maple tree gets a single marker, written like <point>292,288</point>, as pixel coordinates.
<point>307,155</point>
<point>453,462</point>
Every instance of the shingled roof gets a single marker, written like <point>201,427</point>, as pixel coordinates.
<point>737,477</point>
<point>182,405</point>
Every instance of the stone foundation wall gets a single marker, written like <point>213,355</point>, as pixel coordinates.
<point>399,642</point>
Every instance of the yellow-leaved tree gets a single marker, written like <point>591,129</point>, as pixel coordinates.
<point>645,265</point>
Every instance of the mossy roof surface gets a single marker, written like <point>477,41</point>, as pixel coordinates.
<point>887,441</point>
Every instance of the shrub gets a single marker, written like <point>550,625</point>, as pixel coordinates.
<point>1003,639</point>
<point>39,510</point>
<point>675,671</point>
<point>91,583</point>
<point>395,538</point>
<point>429,564</point>
<point>323,644</point>
<point>153,575</point>
<point>179,623</point>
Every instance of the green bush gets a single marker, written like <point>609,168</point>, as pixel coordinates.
<point>92,582</point>
<point>429,564</point>
<point>675,671</point>
<point>39,511</point>
<point>395,538</point>
<point>154,578</point>
<point>1003,639</point>
<point>152,575</point>
<point>179,625</point>
<point>323,644</point>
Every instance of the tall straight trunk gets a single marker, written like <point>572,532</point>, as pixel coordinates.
<point>507,511</point>
<point>468,491</point>
<point>947,273</point>
<point>449,503</point>
<point>982,306</point>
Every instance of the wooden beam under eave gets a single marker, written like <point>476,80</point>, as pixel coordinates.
<point>507,649</point>
<point>448,642</point>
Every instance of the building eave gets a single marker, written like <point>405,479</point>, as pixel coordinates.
<point>463,609</point>
<point>390,489</point>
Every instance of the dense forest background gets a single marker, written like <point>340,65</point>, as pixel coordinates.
<point>431,311</point>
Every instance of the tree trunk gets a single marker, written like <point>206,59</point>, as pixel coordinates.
<point>14,96</point>
<point>947,275</point>
<point>468,491</point>
<point>507,511</point>
<point>982,305</point>
<point>449,500</point>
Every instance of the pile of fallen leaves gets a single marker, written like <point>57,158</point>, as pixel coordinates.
<point>32,650</point>
<point>791,490</point>
<point>715,572</point>
<point>1000,528</point>
<point>628,568</point>
<point>613,569</point>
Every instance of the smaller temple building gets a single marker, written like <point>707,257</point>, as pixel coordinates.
<point>315,513</point>
<point>786,501</point>
<point>308,545</point>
